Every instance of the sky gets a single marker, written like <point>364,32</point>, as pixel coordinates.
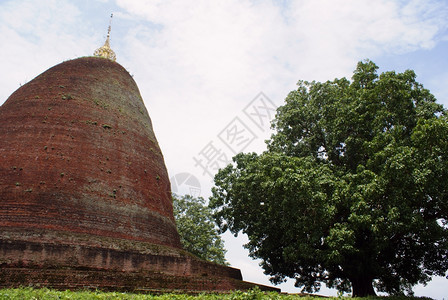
<point>212,73</point>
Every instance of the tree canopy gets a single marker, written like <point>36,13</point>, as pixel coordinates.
<point>197,229</point>
<point>352,190</point>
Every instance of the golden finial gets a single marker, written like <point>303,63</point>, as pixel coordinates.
<point>105,51</point>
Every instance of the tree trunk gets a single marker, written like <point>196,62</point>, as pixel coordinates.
<point>362,287</point>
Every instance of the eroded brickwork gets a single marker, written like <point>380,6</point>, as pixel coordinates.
<point>85,198</point>
<point>78,154</point>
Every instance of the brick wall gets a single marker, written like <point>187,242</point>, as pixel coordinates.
<point>78,154</point>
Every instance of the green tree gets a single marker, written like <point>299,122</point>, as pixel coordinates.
<point>197,229</point>
<point>352,190</point>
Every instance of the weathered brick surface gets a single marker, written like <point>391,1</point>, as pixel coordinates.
<point>119,281</point>
<point>147,268</point>
<point>78,154</point>
<point>85,198</point>
<point>16,253</point>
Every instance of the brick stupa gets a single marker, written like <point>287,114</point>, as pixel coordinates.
<point>85,198</point>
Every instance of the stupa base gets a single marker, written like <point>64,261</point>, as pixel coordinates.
<point>80,267</point>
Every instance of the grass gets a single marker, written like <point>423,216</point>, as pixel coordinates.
<point>44,293</point>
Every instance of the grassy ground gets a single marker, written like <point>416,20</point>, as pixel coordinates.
<point>35,294</point>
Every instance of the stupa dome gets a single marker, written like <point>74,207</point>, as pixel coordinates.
<point>85,200</point>
<point>78,155</point>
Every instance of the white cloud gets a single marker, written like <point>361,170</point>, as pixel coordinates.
<point>36,36</point>
<point>337,32</point>
<point>217,49</point>
<point>199,63</point>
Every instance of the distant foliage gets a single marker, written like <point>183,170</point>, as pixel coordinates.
<point>198,232</point>
<point>353,189</point>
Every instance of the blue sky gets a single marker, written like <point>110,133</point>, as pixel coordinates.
<point>201,65</point>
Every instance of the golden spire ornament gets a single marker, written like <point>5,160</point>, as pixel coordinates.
<point>105,51</point>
